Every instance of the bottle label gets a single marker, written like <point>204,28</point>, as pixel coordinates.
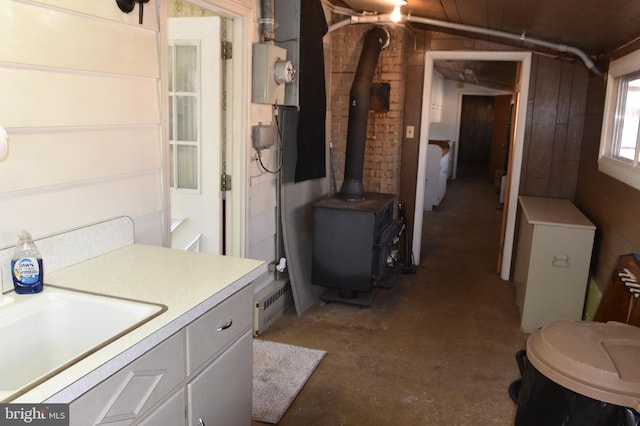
<point>26,270</point>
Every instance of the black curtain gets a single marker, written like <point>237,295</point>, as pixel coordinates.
<point>311,161</point>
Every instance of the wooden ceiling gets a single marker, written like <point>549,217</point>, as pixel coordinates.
<point>499,75</point>
<point>596,27</point>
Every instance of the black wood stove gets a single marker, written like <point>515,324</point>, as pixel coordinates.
<point>354,231</point>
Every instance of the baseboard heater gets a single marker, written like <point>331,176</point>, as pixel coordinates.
<point>269,304</point>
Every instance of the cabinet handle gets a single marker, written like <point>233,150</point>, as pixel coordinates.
<point>201,422</point>
<point>226,325</point>
<point>560,261</point>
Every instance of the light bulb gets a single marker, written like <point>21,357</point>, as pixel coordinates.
<point>395,15</point>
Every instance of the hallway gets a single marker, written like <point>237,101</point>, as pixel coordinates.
<point>437,348</point>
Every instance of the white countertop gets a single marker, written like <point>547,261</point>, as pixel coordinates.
<point>188,283</point>
<point>554,212</point>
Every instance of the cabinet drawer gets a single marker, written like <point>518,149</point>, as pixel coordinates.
<point>132,390</point>
<point>216,329</point>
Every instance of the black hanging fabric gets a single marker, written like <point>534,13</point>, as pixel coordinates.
<point>311,161</point>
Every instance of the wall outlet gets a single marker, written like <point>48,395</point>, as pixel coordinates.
<point>410,131</point>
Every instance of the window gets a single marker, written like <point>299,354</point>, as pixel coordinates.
<point>620,139</point>
<point>184,93</point>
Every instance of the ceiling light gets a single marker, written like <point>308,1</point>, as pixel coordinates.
<point>395,15</point>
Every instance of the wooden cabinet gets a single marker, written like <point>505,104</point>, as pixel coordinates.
<point>201,372</point>
<point>553,254</point>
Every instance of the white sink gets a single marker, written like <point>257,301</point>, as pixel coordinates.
<point>44,333</point>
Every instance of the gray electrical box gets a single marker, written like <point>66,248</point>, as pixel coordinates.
<point>266,89</point>
<point>262,136</point>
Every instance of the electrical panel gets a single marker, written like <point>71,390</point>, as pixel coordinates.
<point>271,72</point>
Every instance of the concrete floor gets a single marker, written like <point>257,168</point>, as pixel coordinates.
<point>435,349</point>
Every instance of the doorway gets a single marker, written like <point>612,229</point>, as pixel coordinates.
<point>476,127</point>
<point>222,211</point>
<point>524,58</point>
<point>484,136</point>
<point>195,143</point>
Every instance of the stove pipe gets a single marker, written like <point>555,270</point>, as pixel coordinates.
<point>376,39</point>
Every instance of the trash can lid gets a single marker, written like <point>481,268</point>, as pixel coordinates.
<point>594,359</point>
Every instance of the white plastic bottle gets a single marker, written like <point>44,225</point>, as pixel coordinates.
<point>26,266</point>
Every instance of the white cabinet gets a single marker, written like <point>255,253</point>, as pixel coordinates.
<point>130,392</point>
<point>553,254</point>
<point>437,97</point>
<point>438,154</point>
<point>219,362</point>
<point>221,393</point>
<point>201,372</point>
<point>169,413</point>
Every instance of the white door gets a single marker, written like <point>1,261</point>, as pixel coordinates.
<point>195,133</point>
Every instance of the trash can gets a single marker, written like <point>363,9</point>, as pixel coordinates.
<point>581,373</point>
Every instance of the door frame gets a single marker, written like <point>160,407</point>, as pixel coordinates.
<point>237,119</point>
<point>517,149</point>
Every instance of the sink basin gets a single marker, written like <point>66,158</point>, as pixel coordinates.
<point>44,333</point>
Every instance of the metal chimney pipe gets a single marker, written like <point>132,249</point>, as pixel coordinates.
<point>268,20</point>
<point>376,39</point>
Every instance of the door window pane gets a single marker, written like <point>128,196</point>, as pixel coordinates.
<point>171,166</point>
<point>187,156</point>
<point>187,118</point>
<point>171,134</point>
<point>186,69</point>
<point>171,64</point>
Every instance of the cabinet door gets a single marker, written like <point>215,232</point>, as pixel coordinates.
<point>221,393</point>
<point>170,413</point>
<point>132,391</point>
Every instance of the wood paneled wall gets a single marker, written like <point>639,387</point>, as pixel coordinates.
<point>80,84</point>
<point>610,204</point>
<point>557,100</point>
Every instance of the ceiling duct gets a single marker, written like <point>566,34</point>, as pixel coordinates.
<point>562,48</point>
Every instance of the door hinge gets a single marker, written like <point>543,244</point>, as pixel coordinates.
<point>227,50</point>
<point>225,182</point>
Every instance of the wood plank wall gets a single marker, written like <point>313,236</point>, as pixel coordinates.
<point>610,204</point>
<point>80,84</point>
<point>557,100</point>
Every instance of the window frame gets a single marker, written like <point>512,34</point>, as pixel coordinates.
<point>623,170</point>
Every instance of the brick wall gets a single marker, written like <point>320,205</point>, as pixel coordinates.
<point>384,132</point>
